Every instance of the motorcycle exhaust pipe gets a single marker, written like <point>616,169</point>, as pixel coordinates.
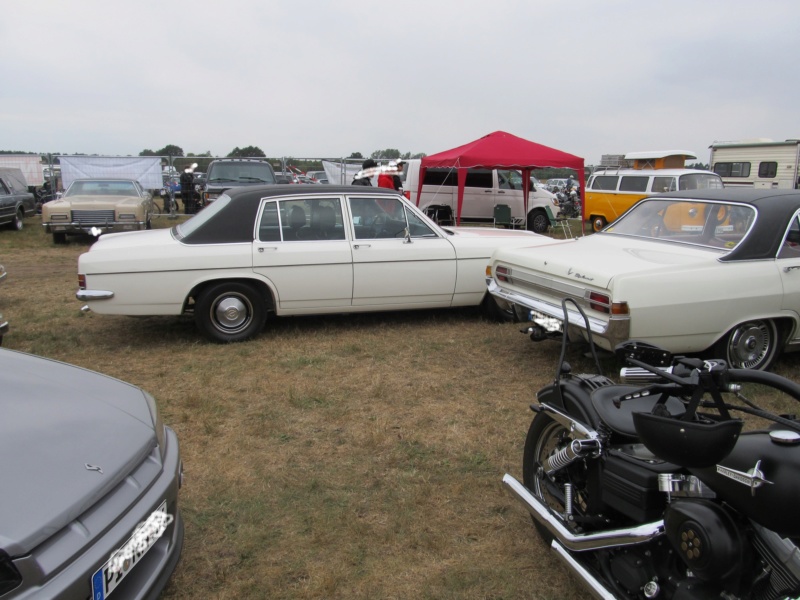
<point>585,541</point>
<point>598,589</point>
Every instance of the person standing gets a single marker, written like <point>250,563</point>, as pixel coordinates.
<point>187,191</point>
<point>362,177</point>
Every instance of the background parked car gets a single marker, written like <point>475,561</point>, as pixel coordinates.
<point>700,270</point>
<point>95,206</point>
<point>318,176</point>
<point>3,322</point>
<point>69,514</point>
<point>16,202</point>
<point>226,173</point>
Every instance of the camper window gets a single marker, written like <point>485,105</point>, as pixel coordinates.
<point>664,184</point>
<point>633,184</point>
<point>732,169</point>
<point>767,169</point>
<point>605,182</point>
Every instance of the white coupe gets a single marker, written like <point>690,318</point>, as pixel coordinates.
<point>292,250</point>
<point>714,271</point>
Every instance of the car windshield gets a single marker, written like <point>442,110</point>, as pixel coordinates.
<point>202,217</point>
<point>101,188</point>
<point>711,224</point>
<point>243,172</point>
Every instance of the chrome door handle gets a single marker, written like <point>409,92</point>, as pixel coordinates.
<point>261,249</point>
<point>792,268</point>
<point>359,246</point>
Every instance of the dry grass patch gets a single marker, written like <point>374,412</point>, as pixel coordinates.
<point>332,457</point>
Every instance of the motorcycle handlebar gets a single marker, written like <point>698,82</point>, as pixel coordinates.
<point>764,378</point>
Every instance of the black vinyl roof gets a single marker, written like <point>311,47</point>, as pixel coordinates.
<point>235,222</point>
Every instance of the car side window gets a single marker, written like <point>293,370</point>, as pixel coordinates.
<point>4,188</point>
<point>791,242</point>
<point>312,219</point>
<point>376,218</point>
<point>269,227</point>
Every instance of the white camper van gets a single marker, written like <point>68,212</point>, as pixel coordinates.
<point>759,164</point>
<point>484,189</point>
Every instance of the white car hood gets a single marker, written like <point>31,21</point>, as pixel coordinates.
<point>94,202</point>
<point>597,259</point>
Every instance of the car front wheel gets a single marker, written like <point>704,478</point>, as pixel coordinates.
<point>230,312</point>
<point>538,221</point>
<point>750,345</point>
<point>16,224</point>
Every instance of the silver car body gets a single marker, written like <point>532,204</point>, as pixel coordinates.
<point>87,460</point>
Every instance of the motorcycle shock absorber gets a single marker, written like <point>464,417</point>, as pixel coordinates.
<point>567,455</point>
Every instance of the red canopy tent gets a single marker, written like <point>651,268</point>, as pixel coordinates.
<point>500,150</point>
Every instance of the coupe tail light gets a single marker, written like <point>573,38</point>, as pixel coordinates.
<point>602,303</point>
<point>502,273</point>
<point>81,282</point>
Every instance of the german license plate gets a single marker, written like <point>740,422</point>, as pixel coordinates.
<point>106,579</point>
<point>548,323</point>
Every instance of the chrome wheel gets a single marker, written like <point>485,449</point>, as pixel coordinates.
<point>230,312</point>
<point>751,345</point>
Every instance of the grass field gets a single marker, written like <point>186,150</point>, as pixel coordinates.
<point>332,457</point>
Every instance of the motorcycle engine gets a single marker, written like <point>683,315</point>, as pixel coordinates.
<point>708,540</point>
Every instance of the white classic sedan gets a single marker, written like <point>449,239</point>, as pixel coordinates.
<point>693,271</point>
<point>292,250</point>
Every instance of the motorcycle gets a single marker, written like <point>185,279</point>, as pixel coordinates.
<point>569,204</point>
<point>650,488</point>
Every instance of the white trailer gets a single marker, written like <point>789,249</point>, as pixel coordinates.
<point>29,164</point>
<point>759,164</point>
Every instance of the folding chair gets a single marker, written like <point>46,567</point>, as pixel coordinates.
<point>561,222</point>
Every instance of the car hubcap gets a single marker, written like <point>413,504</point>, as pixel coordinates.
<point>231,313</point>
<point>750,344</point>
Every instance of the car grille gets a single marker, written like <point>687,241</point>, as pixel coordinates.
<point>92,217</point>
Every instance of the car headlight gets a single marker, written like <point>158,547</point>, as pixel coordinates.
<point>157,423</point>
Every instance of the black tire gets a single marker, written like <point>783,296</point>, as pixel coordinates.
<point>538,221</point>
<point>750,345</point>
<point>598,222</point>
<point>544,437</point>
<point>230,312</point>
<point>60,238</point>
<point>492,311</point>
<point>17,224</point>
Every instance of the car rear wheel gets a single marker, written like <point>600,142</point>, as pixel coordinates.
<point>598,222</point>
<point>230,312</point>
<point>538,221</point>
<point>492,311</point>
<point>750,345</point>
<point>16,223</point>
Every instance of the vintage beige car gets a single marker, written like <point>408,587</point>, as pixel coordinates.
<point>96,206</point>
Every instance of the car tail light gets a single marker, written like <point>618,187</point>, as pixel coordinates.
<point>81,282</point>
<point>619,308</point>
<point>600,302</point>
<point>503,274</point>
<point>407,195</point>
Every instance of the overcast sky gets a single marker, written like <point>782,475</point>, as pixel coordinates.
<point>325,79</point>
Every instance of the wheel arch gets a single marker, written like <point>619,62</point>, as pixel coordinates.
<point>265,288</point>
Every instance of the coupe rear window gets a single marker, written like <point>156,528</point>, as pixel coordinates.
<point>711,224</point>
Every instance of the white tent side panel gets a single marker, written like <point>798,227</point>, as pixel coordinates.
<point>339,174</point>
<point>145,169</point>
<point>29,164</point>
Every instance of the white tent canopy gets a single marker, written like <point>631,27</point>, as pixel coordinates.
<point>145,169</point>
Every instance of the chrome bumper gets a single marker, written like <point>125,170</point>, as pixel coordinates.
<point>86,295</point>
<point>609,333</point>
<point>87,228</point>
